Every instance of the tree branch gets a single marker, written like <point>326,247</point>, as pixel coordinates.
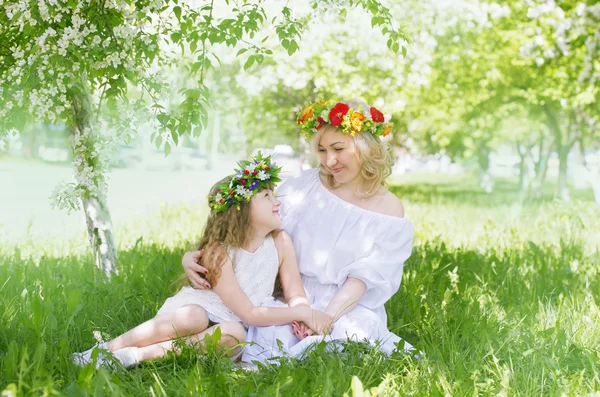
<point>204,44</point>
<point>103,85</point>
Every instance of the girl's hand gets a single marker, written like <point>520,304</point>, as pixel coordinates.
<point>193,269</point>
<point>301,330</point>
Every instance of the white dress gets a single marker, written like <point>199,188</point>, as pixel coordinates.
<point>335,240</point>
<point>255,272</point>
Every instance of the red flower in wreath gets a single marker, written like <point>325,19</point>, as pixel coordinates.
<point>321,122</point>
<point>377,116</point>
<point>337,113</point>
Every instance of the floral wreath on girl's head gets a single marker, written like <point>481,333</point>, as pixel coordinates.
<point>252,176</point>
<point>348,120</point>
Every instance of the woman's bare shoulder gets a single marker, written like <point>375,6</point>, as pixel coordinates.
<point>391,205</point>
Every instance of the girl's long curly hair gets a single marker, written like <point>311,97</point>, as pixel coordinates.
<point>230,228</point>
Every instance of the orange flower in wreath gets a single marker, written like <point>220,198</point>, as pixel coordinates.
<point>307,113</point>
<point>386,130</point>
<point>356,121</point>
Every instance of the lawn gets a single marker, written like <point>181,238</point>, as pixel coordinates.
<point>501,294</point>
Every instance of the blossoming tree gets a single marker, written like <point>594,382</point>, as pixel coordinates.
<point>97,65</point>
<point>540,57</point>
<point>535,60</point>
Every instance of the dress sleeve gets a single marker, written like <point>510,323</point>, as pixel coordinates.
<point>381,268</point>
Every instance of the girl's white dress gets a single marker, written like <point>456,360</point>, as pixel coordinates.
<point>255,272</point>
<point>335,240</point>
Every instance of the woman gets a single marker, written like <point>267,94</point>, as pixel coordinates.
<point>349,232</point>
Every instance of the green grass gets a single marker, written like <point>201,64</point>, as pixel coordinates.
<point>501,294</point>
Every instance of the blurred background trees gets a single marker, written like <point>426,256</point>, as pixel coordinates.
<point>499,89</point>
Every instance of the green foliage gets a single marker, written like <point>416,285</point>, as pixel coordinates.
<point>116,50</point>
<point>525,61</point>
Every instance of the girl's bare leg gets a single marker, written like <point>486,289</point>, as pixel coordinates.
<point>232,334</point>
<point>185,321</point>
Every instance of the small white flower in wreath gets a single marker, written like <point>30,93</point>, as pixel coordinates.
<point>262,175</point>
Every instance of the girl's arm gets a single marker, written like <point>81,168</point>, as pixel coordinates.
<point>238,302</point>
<point>346,298</point>
<point>291,282</point>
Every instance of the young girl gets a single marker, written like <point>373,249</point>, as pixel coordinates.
<point>243,252</point>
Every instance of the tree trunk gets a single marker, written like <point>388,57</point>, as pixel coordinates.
<point>541,169</point>
<point>100,234</point>
<point>91,184</point>
<point>523,169</point>
<point>540,166</point>
<point>485,179</point>
<point>562,190</point>
<point>563,149</point>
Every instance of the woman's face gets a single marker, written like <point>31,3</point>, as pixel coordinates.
<point>264,211</point>
<point>339,154</point>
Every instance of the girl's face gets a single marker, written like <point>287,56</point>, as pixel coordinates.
<point>264,211</point>
<point>338,153</point>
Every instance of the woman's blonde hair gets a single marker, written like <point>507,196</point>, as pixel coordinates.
<point>375,157</point>
<point>227,229</point>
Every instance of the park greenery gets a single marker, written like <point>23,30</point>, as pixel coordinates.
<point>460,78</point>
<point>502,303</point>
<point>102,67</point>
<point>501,292</point>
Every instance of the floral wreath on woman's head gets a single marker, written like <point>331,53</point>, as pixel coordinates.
<point>253,175</point>
<point>350,121</point>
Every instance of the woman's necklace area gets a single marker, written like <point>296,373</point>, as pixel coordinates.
<point>361,201</point>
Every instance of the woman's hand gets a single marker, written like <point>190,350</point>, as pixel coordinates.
<point>193,270</point>
<point>318,321</point>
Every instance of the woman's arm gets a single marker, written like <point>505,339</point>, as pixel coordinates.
<point>238,302</point>
<point>348,296</point>
<point>346,299</point>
